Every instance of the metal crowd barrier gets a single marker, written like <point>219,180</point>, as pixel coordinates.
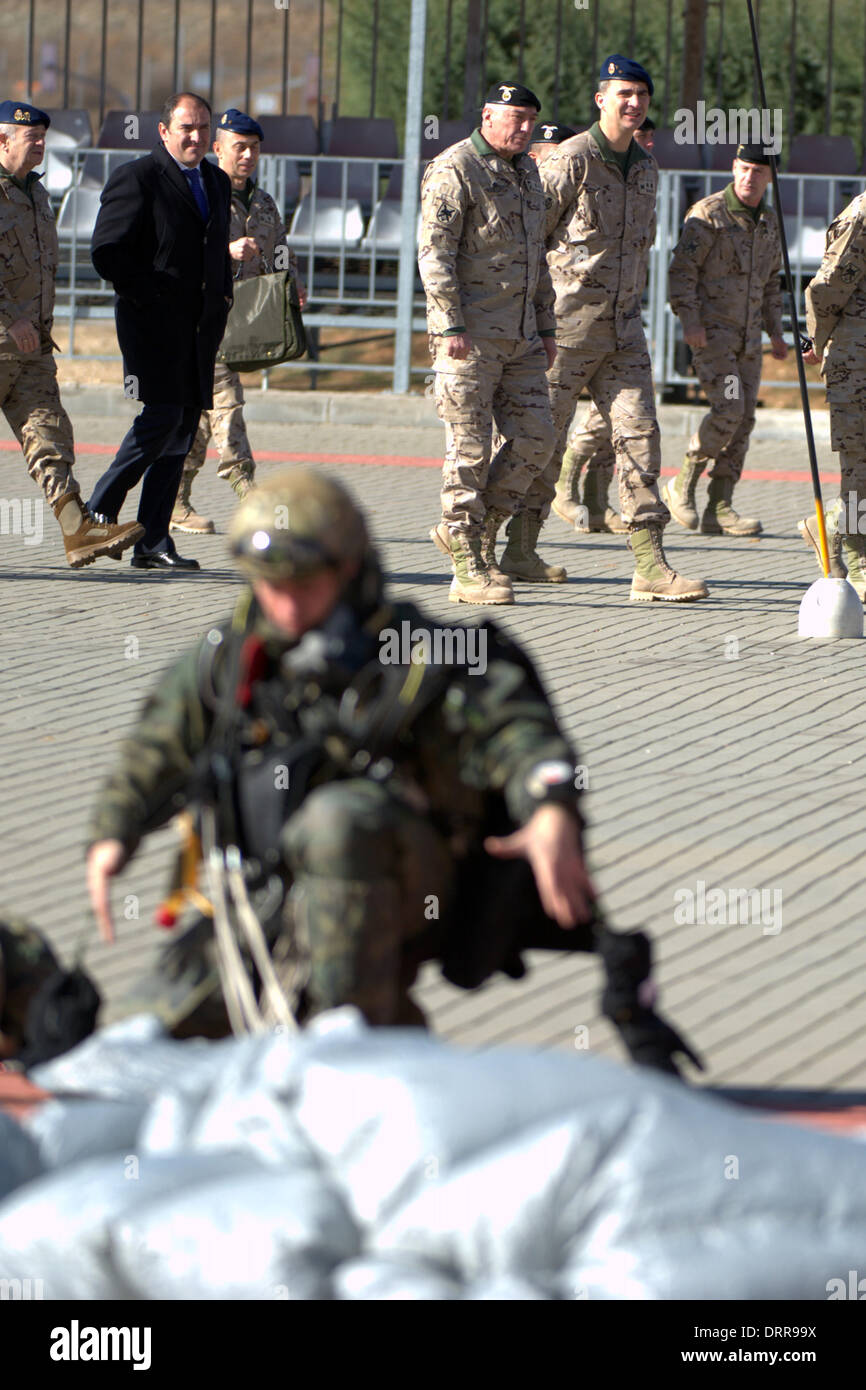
<point>343,221</point>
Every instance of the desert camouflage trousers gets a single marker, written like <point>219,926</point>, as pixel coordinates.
<point>589,440</point>
<point>730,375</point>
<point>621,387</point>
<point>30,400</point>
<point>225,423</point>
<point>501,383</point>
<point>845,378</point>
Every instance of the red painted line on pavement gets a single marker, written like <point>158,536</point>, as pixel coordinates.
<point>755,475</point>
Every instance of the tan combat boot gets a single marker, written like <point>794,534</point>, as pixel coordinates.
<point>472,582</point>
<point>520,559</point>
<point>808,529</point>
<point>679,493</point>
<point>653,577</point>
<point>184,517</point>
<point>855,556</point>
<point>720,519</point>
<point>566,502</point>
<point>241,480</point>
<point>600,517</point>
<point>85,538</point>
<point>492,523</point>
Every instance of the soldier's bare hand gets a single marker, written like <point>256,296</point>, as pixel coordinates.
<point>550,841</point>
<point>105,859</point>
<point>244,248</point>
<point>696,337</point>
<point>458,345</point>
<point>550,349</point>
<point>779,348</point>
<point>24,335</point>
<point>302,294</point>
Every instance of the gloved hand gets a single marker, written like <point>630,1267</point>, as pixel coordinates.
<point>629,1002</point>
<point>652,1041</point>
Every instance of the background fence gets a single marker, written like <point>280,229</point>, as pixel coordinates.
<point>326,58</point>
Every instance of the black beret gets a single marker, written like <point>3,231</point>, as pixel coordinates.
<point>511,94</point>
<point>19,113</point>
<point>753,154</point>
<point>239,123</point>
<point>549,134</point>
<point>617,68</point>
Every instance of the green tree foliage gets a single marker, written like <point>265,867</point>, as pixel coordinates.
<point>560,40</point>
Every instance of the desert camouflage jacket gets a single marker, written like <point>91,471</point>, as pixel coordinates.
<point>836,298</point>
<point>262,221</point>
<point>481,252</point>
<point>28,261</point>
<point>599,229</point>
<point>476,731</point>
<point>725,270</point>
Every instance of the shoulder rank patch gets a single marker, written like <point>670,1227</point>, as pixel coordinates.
<point>446,212</point>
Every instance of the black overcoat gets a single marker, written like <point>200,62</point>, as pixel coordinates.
<point>171,274</point>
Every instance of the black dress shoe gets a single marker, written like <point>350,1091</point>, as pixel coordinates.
<point>163,560</point>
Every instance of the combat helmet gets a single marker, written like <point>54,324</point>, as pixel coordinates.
<point>297,522</point>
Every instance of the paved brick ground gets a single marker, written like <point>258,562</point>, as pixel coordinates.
<point>720,750</point>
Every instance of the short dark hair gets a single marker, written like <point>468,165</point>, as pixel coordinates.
<point>649,124</point>
<point>171,104</point>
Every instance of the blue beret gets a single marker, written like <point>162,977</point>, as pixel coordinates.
<point>511,94</point>
<point>19,113</point>
<point>616,68</point>
<point>239,123</point>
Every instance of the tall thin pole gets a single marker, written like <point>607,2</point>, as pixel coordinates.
<point>67,58</point>
<point>792,97</point>
<point>795,318</point>
<point>375,57</point>
<point>248,76</point>
<point>668,40</point>
<point>409,205</point>
<point>828,107</point>
<point>446,94</point>
<point>335,104</point>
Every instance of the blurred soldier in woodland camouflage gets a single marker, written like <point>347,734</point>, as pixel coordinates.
<point>600,192</point>
<point>29,395</point>
<point>836,323</point>
<point>392,797</point>
<point>257,246</point>
<point>490,318</point>
<point>44,1010</point>
<point>724,286</point>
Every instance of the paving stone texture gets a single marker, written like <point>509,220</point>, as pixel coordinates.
<point>720,750</point>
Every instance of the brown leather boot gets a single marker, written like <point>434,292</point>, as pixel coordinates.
<point>87,539</point>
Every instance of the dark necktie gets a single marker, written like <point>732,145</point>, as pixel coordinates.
<point>195,183</point>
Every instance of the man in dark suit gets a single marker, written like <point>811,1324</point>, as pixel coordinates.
<point>161,238</point>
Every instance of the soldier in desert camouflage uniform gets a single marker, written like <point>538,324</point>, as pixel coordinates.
<point>390,808</point>
<point>600,191</point>
<point>724,286</point>
<point>836,324</point>
<point>489,313</point>
<point>29,396</point>
<point>590,452</point>
<point>590,442</point>
<point>258,246</point>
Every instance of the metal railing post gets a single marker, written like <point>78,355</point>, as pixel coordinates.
<point>409,201</point>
